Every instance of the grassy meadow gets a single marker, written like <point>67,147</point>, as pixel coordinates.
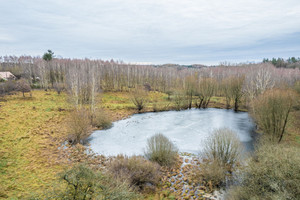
<point>33,129</point>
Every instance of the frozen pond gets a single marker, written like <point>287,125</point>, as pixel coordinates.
<point>188,129</point>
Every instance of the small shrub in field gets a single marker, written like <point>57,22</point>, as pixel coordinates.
<point>223,147</point>
<point>139,98</point>
<point>100,119</point>
<point>138,171</point>
<point>273,173</point>
<point>79,126</point>
<point>23,86</point>
<point>220,157</point>
<point>161,150</point>
<point>83,183</point>
<point>80,182</point>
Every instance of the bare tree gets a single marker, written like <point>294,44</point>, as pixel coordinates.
<point>232,89</point>
<point>205,91</point>
<point>94,75</point>
<point>271,112</point>
<point>237,91</point>
<point>259,79</point>
<point>226,91</point>
<point>84,76</point>
<point>73,85</point>
<point>190,89</point>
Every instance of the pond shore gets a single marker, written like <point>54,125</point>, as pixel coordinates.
<point>31,149</point>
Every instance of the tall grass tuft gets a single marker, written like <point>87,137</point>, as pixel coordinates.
<point>136,170</point>
<point>161,150</point>
<point>220,157</point>
<point>224,147</point>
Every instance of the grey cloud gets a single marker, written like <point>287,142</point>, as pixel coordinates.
<point>150,31</point>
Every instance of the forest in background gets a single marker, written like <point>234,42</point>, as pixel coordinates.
<point>84,77</point>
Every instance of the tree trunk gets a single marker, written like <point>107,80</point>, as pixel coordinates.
<point>236,105</point>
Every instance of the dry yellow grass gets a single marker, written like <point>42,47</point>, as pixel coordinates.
<point>31,129</point>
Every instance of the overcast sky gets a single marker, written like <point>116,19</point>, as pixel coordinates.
<point>152,31</point>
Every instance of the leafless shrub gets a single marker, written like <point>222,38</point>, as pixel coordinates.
<point>139,98</point>
<point>161,150</point>
<point>271,111</point>
<point>223,147</point>
<point>79,126</point>
<point>100,119</point>
<point>23,86</point>
<point>136,170</point>
<point>220,157</point>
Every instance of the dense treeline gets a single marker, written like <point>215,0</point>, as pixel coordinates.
<point>83,79</point>
<point>291,62</point>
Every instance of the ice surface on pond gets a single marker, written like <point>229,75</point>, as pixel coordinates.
<point>187,129</point>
